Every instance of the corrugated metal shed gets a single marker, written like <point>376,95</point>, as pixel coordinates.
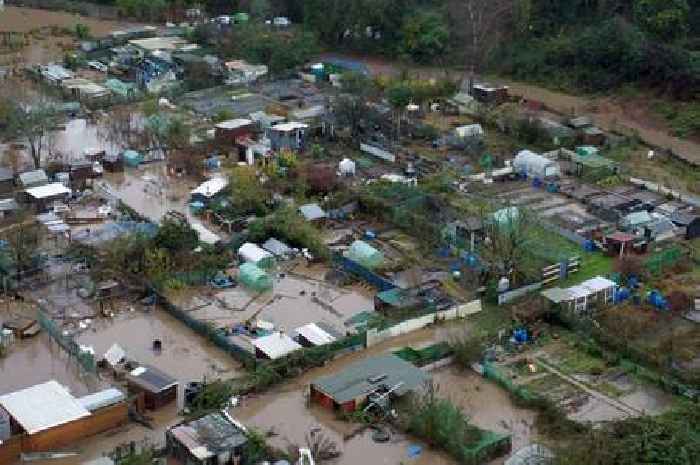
<point>43,406</point>
<point>209,436</point>
<point>151,379</point>
<point>276,345</point>
<point>312,212</point>
<point>33,178</point>
<point>49,190</point>
<point>102,399</point>
<point>360,378</point>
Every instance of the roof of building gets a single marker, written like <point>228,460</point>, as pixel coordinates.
<point>102,399</point>
<point>276,247</point>
<point>315,334</point>
<point>211,187</point>
<point>276,345</point>
<point>43,406</point>
<point>48,190</point>
<point>638,218</point>
<point>266,119</point>
<point>30,178</point>
<point>253,253</point>
<point>234,123</point>
<point>163,43</point>
<point>7,205</point>
<point>363,377</point>
<point>151,379</point>
<point>85,86</point>
<point>209,436</point>
<point>585,289</point>
<point>312,212</point>
<point>290,126</point>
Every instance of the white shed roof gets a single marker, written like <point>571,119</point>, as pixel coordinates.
<point>211,187</point>
<point>48,190</point>
<point>276,345</point>
<point>253,253</point>
<point>102,399</point>
<point>234,123</point>
<point>312,212</point>
<point>598,284</point>
<point>288,127</point>
<point>314,334</point>
<point>43,406</point>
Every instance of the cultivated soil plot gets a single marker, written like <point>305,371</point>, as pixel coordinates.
<point>586,387</point>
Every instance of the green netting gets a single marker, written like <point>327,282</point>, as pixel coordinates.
<point>364,254</point>
<point>85,358</point>
<point>253,277</point>
<point>425,356</point>
<point>661,261</point>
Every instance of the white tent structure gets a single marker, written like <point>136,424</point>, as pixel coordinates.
<point>535,165</point>
<point>347,167</point>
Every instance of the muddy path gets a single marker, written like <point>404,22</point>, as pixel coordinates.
<point>617,115</point>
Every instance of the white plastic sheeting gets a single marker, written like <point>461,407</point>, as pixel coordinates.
<point>536,165</point>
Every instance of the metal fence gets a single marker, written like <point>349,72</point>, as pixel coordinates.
<point>85,358</point>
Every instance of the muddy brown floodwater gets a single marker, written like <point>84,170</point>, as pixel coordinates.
<point>487,404</point>
<point>284,411</point>
<point>184,355</point>
<point>39,359</point>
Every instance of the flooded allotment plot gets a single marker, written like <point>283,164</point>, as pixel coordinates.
<point>287,414</point>
<point>299,296</point>
<point>146,333</point>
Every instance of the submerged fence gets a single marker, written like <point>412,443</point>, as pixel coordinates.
<point>84,357</point>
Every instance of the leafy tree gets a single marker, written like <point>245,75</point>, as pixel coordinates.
<point>666,19</point>
<point>425,37</point>
<point>33,120</point>
<point>247,193</point>
<point>82,31</point>
<point>176,236</point>
<point>260,9</point>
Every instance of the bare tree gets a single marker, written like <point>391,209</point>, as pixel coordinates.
<point>32,119</point>
<point>479,25</point>
<point>508,237</point>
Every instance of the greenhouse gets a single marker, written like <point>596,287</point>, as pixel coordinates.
<point>364,254</point>
<point>254,278</point>
<point>252,253</point>
<point>535,165</point>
